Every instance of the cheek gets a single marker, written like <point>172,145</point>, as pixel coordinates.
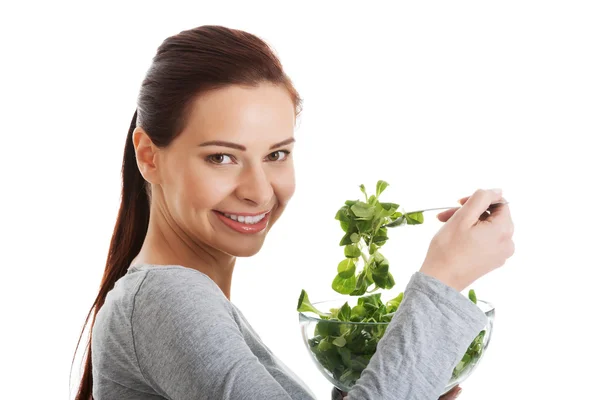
<point>198,191</point>
<point>285,187</point>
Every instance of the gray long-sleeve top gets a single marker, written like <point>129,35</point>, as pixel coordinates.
<point>169,332</point>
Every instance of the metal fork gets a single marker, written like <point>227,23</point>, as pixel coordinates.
<point>492,207</point>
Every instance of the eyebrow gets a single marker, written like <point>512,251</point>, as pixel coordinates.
<point>240,147</point>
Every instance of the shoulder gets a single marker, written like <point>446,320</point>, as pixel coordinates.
<point>161,278</point>
<point>176,291</point>
<point>176,309</point>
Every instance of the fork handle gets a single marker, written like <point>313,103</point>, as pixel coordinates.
<point>493,205</point>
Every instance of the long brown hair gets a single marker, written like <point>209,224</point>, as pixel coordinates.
<point>185,66</point>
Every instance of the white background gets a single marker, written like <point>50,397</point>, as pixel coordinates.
<point>439,99</point>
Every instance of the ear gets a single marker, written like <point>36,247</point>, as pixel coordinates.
<point>146,154</point>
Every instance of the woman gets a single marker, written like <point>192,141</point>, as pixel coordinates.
<point>207,171</point>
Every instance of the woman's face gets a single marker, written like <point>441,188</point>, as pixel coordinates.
<point>229,175</point>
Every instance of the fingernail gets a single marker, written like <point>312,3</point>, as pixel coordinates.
<point>458,393</point>
<point>497,190</point>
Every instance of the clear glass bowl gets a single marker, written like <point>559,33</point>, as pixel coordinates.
<point>341,361</point>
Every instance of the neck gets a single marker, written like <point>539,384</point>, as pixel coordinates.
<point>166,244</point>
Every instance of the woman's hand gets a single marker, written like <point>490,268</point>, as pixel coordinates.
<point>452,394</point>
<point>471,243</point>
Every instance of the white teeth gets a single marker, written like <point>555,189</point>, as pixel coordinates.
<point>246,219</point>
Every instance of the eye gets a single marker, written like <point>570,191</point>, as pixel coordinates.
<point>279,155</point>
<point>219,158</point>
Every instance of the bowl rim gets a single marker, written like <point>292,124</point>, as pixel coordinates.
<point>491,306</point>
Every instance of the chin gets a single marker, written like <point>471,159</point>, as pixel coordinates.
<point>249,252</point>
<point>242,249</point>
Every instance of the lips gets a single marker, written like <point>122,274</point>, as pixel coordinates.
<point>242,226</point>
<point>244,214</point>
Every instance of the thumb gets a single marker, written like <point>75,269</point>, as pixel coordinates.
<point>452,394</point>
<point>477,204</point>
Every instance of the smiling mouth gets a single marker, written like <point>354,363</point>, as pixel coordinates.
<point>245,219</point>
<point>246,224</point>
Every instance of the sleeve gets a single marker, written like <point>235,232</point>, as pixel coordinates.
<point>189,346</point>
<point>427,337</point>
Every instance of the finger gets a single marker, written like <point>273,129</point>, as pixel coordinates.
<point>502,212</point>
<point>477,204</point>
<point>444,216</point>
<point>452,394</point>
<point>463,200</point>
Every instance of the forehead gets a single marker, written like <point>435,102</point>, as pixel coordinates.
<point>242,114</point>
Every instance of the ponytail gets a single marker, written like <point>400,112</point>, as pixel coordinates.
<point>127,239</point>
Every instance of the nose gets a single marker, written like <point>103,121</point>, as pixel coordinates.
<point>255,186</point>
